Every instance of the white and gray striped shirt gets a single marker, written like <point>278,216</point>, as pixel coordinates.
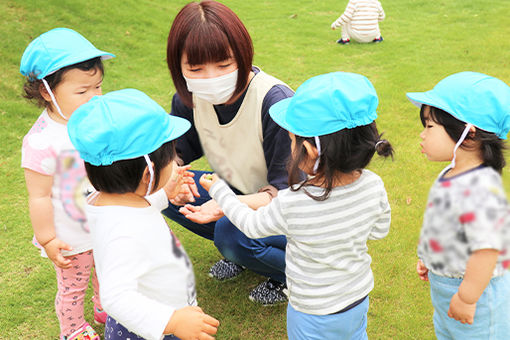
<point>327,264</point>
<point>363,15</point>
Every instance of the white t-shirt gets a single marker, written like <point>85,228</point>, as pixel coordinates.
<point>144,273</point>
<point>48,150</point>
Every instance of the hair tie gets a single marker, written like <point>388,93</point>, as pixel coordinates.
<point>377,144</point>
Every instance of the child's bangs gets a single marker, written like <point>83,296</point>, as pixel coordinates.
<point>207,44</point>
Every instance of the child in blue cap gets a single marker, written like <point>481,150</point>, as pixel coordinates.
<point>464,247</point>
<point>147,284</point>
<point>63,71</point>
<point>329,216</point>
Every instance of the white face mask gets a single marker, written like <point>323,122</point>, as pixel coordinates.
<point>213,90</point>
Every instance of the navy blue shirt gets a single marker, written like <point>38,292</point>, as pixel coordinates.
<point>276,143</point>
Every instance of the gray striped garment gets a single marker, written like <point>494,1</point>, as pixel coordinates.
<point>327,264</point>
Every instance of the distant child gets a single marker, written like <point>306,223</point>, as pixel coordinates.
<point>329,216</point>
<point>147,283</point>
<point>360,21</point>
<point>464,249</point>
<point>64,70</point>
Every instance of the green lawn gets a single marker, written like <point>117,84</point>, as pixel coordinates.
<point>424,41</point>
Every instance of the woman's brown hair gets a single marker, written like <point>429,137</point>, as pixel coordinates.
<point>206,32</point>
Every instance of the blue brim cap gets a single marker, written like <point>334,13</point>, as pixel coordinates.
<point>327,103</point>
<point>471,97</point>
<point>56,49</point>
<point>122,125</point>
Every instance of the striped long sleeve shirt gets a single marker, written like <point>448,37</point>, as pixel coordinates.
<point>363,15</point>
<point>327,263</point>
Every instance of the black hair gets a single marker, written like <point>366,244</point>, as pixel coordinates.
<point>343,151</point>
<point>125,176</point>
<point>491,146</point>
<point>32,86</point>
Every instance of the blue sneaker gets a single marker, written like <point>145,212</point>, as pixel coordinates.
<point>378,40</point>
<point>343,42</point>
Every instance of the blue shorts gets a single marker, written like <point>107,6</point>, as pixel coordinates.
<point>492,316</point>
<point>348,325</point>
<point>115,331</point>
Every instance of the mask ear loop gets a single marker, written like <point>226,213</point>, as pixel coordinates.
<point>53,98</point>
<point>459,142</point>
<point>151,172</point>
<point>318,146</point>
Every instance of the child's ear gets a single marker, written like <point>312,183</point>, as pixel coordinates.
<point>44,93</point>
<point>311,150</point>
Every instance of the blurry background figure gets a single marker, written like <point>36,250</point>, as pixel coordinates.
<point>360,21</point>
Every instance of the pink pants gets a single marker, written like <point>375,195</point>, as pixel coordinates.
<point>72,285</point>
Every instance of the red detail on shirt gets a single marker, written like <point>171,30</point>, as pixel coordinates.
<point>436,247</point>
<point>467,192</point>
<point>446,184</point>
<point>506,264</point>
<point>467,217</point>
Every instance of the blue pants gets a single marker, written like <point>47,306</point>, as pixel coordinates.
<point>492,316</point>
<point>115,331</point>
<point>265,256</point>
<point>349,325</point>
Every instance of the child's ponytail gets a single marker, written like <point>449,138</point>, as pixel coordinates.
<point>384,148</point>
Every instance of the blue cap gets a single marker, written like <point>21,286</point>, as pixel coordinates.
<point>473,98</point>
<point>327,103</point>
<point>120,125</point>
<point>56,49</point>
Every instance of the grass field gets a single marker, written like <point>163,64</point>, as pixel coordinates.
<point>424,42</point>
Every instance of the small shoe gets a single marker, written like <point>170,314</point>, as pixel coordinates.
<point>377,40</point>
<point>225,270</point>
<point>343,42</point>
<point>86,332</point>
<point>269,292</point>
<point>99,316</point>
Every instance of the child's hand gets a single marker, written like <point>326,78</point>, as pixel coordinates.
<point>207,180</point>
<point>422,271</point>
<point>192,323</point>
<point>178,181</point>
<point>461,311</point>
<point>53,248</point>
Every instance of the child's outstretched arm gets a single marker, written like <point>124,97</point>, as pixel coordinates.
<point>41,215</point>
<point>479,271</point>
<point>192,323</point>
<point>265,221</point>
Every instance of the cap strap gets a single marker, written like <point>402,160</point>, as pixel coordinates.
<point>459,142</point>
<point>151,172</point>
<point>53,98</point>
<point>318,146</point>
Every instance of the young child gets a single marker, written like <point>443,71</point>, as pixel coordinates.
<point>464,247</point>
<point>329,216</point>
<point>63,70</point>
<point>360,21</point>
<point>147,283</point>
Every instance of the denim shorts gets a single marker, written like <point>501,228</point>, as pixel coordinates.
<point>348,325</point>
<point>492,316</point>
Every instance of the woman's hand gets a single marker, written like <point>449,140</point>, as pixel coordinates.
<point>461,311</point>
<point>208,212</point>
<point>53,250</point>
<point>422,271</point>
